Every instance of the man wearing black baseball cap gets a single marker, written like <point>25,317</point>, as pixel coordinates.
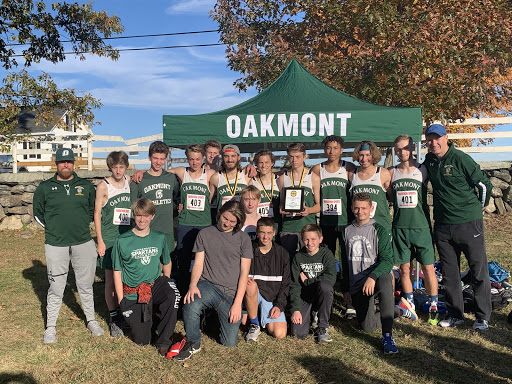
<point>459,224</point>
<point>64,206</point>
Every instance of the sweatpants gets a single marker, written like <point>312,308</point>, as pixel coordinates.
<point>83,258</point>
<point>320,295</point>
<point>165,299</point>
<point>467,238</point>
<point>366,310</point>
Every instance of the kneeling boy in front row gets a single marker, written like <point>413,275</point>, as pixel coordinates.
<point>370,259</point>
<point>269,281</point>
<point>139,285</point>
<point>312,284</point>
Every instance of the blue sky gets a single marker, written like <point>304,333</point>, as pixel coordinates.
<point>142,86</point>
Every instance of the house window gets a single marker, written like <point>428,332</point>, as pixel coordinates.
<point>31,145</point>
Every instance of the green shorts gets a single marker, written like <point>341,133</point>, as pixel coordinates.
<point>105,262</point>
<point>413,243</point>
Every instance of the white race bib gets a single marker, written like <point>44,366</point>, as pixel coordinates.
<point>265,210</point>
<point>122,216</point>
<point>374,208</point>
<point>225,199</point>
<point>407,199</point>
<point>196,202</point>
<point>331,207</point>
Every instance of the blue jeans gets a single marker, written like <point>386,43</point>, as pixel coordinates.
<point>211,297</point>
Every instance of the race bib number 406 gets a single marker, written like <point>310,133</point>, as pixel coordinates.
<point>331,207</point>
<point>407,199</point>
<point>196,202</point>
<point>122,216</point>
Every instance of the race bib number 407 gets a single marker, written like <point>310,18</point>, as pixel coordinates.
<point>407,199</point>
<point>196,202</point>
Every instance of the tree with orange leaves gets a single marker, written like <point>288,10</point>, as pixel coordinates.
<point>452,58</point>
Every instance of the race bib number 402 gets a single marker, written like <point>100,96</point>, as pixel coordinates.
<point>196,202</point>
<point>331,207</point>
<point>122,216</point>
<point>407,199</point>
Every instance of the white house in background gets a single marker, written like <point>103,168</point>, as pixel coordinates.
<point>46,140</point>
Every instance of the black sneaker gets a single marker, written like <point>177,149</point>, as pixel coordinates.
<point>188,350</point>
<point>322,336</point>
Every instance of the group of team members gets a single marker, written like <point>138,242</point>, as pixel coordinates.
<point>230,221</point>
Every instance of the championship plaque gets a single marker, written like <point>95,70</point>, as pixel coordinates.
<point>293,199</point>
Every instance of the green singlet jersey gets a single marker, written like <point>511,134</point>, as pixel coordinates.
<point>161,190</point>
<point>295,224</point>
<point>138,258</point>
<point>116,213</point>
<point>373,186</point>
<point>268,207</point>
<point>333,196</point>
<point>227,190</point>
<point>410,198</point>
<point>195,197</point>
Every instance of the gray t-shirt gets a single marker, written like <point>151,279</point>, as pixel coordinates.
<point>222,256</point>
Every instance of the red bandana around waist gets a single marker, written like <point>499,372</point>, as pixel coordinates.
<point>143,291</point>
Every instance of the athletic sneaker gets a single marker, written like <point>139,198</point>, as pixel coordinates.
<point>451,322</point>
<point>50,335</point>
<point>433,317</point>
<point>115,330</point>
<point>407,309</point>
<point>188,350</point>
<point>322,336</point>
<point>94,327</point>
<point>481,325</point>
<point>253,333</point>
<point>350,313</point>
<point>314,322</point>
<point>388,343</point>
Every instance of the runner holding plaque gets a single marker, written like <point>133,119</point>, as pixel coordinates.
<point>300,202</point>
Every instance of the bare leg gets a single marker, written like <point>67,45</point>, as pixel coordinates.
<point>278,330</point>
<point>430,279</point>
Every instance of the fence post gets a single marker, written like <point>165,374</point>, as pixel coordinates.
<point>14,157</point>
<point>89,154</point>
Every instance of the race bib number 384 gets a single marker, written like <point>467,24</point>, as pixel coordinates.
<point>407,199</point>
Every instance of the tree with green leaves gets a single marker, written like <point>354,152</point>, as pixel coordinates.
<point>452,58</point>
<point>31,31</point>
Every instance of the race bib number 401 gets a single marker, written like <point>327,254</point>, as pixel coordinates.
<point>122,216</point>
<point>196,202</point>
<point>331,207</point>
<point>407,199</point>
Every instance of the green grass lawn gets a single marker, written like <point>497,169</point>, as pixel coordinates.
<point>427,354</point>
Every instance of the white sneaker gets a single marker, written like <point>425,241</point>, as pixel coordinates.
<point>481,325</point>
<point>254,332</point>
<point>450,322</point>
<point>94,327</point>
<point>50,335</point>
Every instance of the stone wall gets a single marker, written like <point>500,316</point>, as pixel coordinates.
<point>17,192</point>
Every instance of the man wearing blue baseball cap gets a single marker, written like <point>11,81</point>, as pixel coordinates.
<point>459,224</point>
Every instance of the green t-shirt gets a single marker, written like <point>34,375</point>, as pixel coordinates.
<point>138,258</point>
<point>162,191</point>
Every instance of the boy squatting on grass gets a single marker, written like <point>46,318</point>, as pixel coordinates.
<point>142,285</point>
<point>269,281</point>
<point>370,259</point>
<point>313,275</point>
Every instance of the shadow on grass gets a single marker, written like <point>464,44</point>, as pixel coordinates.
<point>452,359</point>
<point>15,378</point>
<point>329,370</point>
<point>38,276</point>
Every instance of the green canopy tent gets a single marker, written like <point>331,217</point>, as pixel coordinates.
<point>297,107</point>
